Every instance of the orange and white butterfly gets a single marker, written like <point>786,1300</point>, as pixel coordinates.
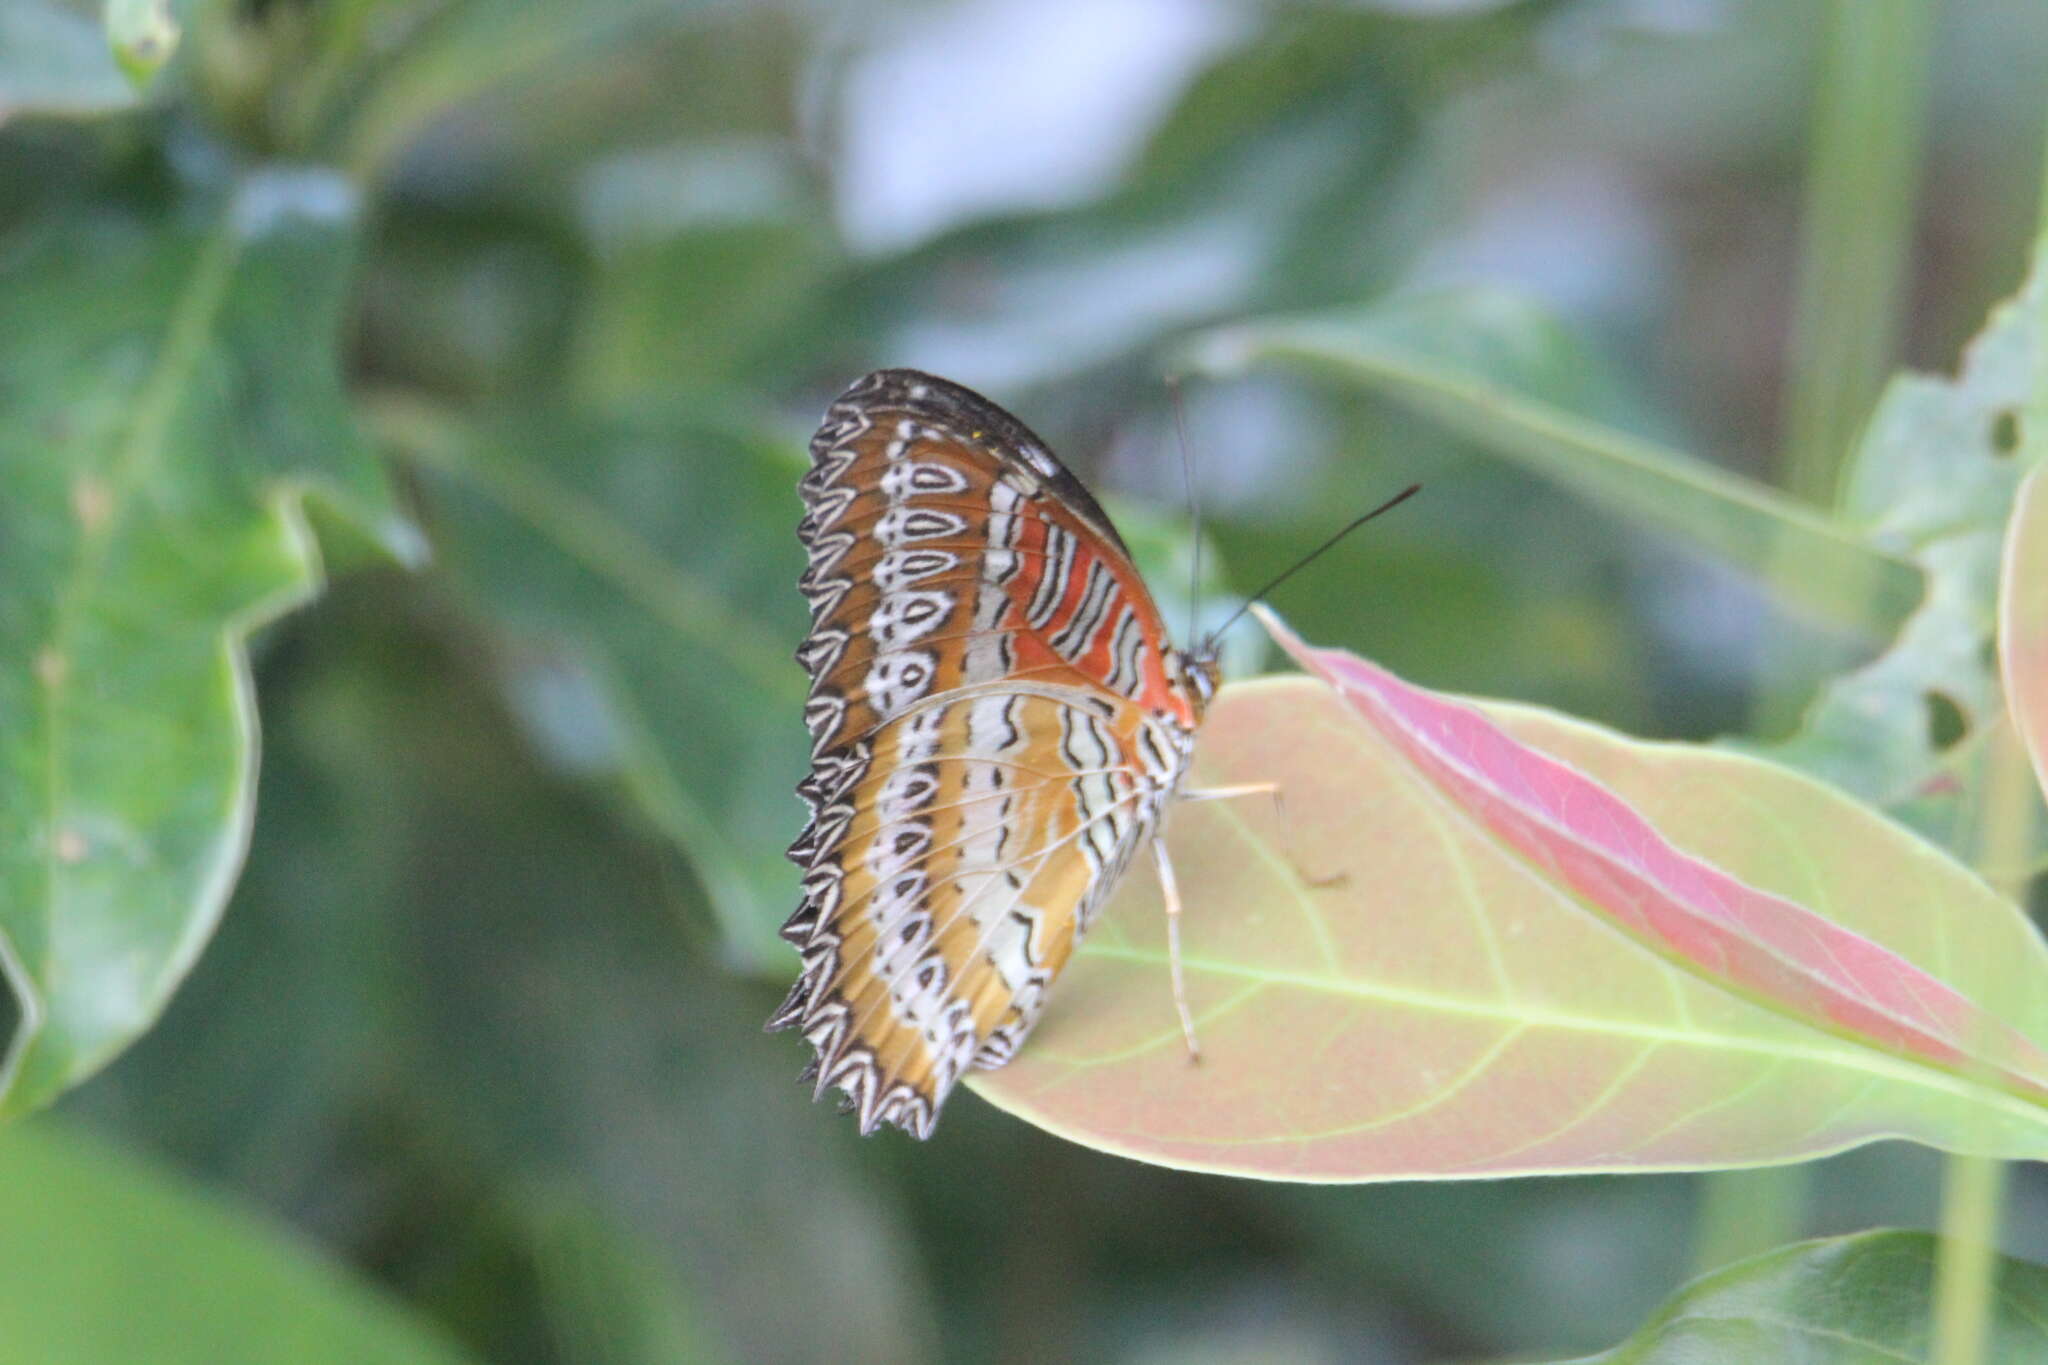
<point>998,725</point>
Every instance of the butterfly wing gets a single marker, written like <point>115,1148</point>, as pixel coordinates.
<point>996,729</point>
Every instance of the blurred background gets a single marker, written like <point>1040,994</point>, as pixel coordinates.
<point>483,1018</point>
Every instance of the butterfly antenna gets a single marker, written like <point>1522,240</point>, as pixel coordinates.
<point>1187,474</point>
<point>1313,555</point>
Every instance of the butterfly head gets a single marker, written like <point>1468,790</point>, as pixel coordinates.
<point>1195,674</point>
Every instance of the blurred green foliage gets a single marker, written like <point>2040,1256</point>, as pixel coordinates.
<point>482,1017</point>
<point>1849,1300</point>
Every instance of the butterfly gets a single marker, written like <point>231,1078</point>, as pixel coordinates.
<point>998,723</point>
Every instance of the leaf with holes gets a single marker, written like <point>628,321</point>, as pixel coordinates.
<point>168,392</point>
<point>1932,480</point>
<point>2023,619</point>
<point>142,34</point>
<point>1553,949</point>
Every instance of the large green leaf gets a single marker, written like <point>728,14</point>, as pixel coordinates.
<point>1860,1300</point>
<point>1518,974</point>
<point>1497,368</point>
<point>167,396</point>
<point>105,1258</point>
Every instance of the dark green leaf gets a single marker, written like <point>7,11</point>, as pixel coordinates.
<point>641,572</point>
<point>1860,1300</point>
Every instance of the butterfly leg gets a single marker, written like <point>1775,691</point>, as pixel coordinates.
<point>1271,789</point>
<point>1171,889</point>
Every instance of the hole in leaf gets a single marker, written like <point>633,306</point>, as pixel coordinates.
<point>10,1016</point>
<point>2005,431</point>
<point>1946,723</point>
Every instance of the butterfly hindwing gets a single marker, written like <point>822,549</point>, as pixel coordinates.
<point>974,863</point>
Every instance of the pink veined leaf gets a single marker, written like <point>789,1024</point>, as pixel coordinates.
<point>1589,840</point>
<point>2023,619</point>
<point>1553,949</point>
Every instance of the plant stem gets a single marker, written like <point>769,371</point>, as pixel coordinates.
<point>1743,1213</point>
<point>1856,230</point>
<point>1966,1264</point>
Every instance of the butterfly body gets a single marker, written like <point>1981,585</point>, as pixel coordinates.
<point>999,724</point>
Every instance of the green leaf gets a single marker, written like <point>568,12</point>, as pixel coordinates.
<point>1933,481</point>
<point>168,395</point>
<point>1496,368</point>
<point>55,61</point>
<point>318,922</point>
<point>647,623</point>
<point>1860,1300</point>
<point>1460,1006</point>
<point>2023,619</point>
<point>107,1258</point>
<point>143,35</point>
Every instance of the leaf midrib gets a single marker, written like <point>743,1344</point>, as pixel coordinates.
<point>137,453</point>
<point>1849,1057</point>
<point>141,445</point>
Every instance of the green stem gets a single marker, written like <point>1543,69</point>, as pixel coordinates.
<point>1966,1265</point>
<point>1856,230</point>
<point>1744,1213</point>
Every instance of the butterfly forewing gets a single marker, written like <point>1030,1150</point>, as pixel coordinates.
<point>997,724</point>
